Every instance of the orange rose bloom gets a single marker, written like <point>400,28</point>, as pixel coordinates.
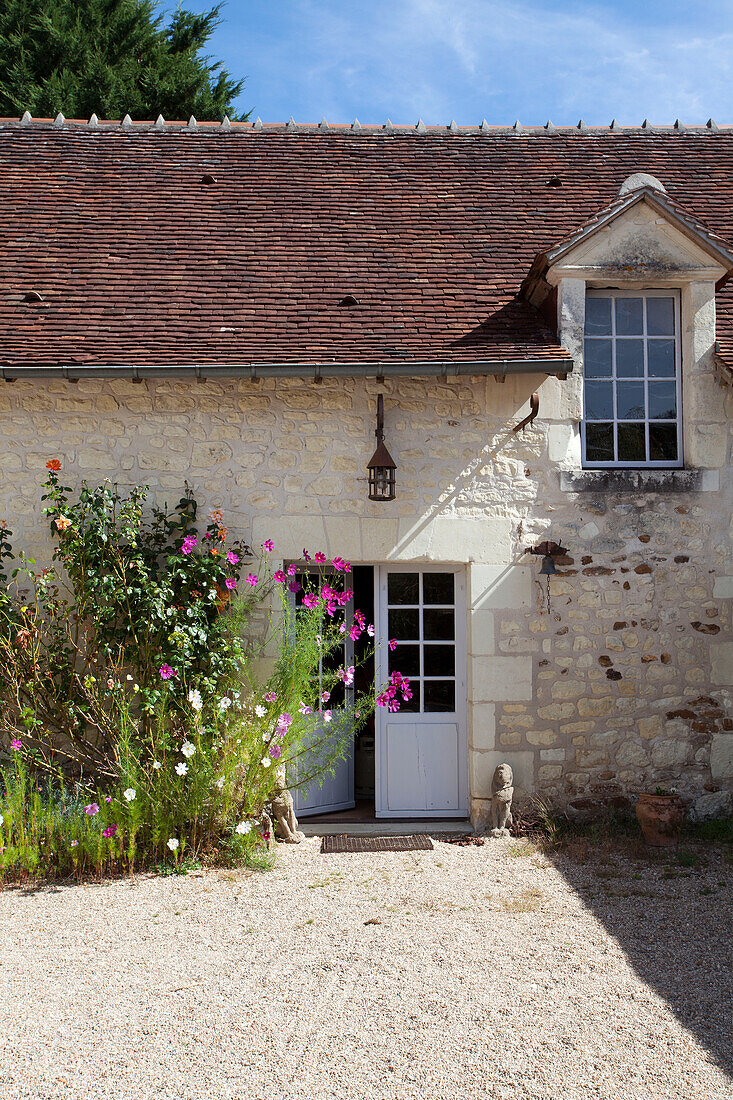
<point>53,464</point>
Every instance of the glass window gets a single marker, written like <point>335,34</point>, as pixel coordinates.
<point>631,413</point>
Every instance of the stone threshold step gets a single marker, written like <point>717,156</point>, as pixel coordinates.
<point>384,828</point>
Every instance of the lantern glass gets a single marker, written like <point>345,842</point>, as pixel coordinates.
<point>381,483</point>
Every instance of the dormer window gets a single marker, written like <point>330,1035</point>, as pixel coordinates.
<point>631,384</point>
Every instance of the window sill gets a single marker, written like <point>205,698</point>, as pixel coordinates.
<point>635,481</point>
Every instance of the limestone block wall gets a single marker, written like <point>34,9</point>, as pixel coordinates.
<point>623,684</point>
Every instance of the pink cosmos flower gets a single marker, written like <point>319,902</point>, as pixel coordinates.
<point>285,719</point>
<point>346,674</point>
<point>319,557</point>
<point>109,831</point>
<point>292,570</point>
<point>279,577</point>
<point>166,672</point>
<point>271,696</point>
<point>327,594</point>
<point>232,558</point>
<point>75,844</point>
<point>306,556</point>
<point>338,564</point>
<point>357,713</point>
<point>303,709</point>
<point>393,643</point>
<point>268,545</point>
<point>108,798</point>
<point>231,583</point>
<point>359,618</point>
<point>370,630</point>
<point>294,586</point>
<point>325,696</point>
<point>355,632</point>
<point>188,544</point>
<point>310,601</point>
<point>17,745</point>
<point>251,578</point>
<point>91,809</point>
<point>275,752</point>
<point>342,628</point>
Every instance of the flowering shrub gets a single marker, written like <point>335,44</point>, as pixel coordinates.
<point>137,731</point>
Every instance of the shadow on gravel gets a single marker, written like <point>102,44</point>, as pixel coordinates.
<point>672,914</point>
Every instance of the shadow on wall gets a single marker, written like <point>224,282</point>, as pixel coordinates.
<point>674,923</point>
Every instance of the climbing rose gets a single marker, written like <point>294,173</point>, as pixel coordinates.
<point>53,464</point>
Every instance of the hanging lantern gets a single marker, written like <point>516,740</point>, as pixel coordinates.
<point>381,465</point>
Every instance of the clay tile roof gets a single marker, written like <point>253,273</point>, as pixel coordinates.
<point>139,261</point>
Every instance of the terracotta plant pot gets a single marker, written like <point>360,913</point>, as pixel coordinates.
<point>661,817</point>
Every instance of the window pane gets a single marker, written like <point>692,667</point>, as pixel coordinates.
<point>438,625</point>
<point>599,400</point>
<point>437,588</point>
<point>440,695</point>
<point>598,316</point>
<point>599,442</point>
<point>406,659</point>
<point>663,442</point>
<point>660,316</point>
<point>404,623</point>
<point>411,705</point>
<point>662,401</point>
<point>403,588</point>
<point>631,443</point>
<point>440,660</point>
<point>629,321</point>
<point>630,401</point>
<point>629,358</point>
<point>660,356</point>
<point>597,359</point>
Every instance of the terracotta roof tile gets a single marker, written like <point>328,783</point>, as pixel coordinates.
<point>140,262</point>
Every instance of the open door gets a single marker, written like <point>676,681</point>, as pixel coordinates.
<point>337,790</point>
<point>422,749</point>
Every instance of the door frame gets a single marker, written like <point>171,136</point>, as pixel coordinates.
<point>381,571</point>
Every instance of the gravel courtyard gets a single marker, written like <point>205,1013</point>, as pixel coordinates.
<point>492,971</point>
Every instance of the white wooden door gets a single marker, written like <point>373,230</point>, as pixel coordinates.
<point>422,750</point>
<point>336,792</point>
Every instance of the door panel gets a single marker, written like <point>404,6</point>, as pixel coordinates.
<point>422,750</point>
<point>337,790</point>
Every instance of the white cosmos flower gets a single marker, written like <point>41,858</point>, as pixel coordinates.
<point>156,764</point>
<point>260,711</point>
<point>243,827</point>
<point>225,703</point>
<point>129,794</point>
<point>1,819</point>
<point>220,782</point>
<point>173,844</point>
<point>188,749</point>
<point>266,761</point>
<point>182,769</point>
<point>194,698</point>
<point>212,593</point>
<point>327,716</point>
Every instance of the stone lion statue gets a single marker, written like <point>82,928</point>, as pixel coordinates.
<point>286,823</point>
<point>502,792</point>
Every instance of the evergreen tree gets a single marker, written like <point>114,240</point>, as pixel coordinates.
<point>110,57</point>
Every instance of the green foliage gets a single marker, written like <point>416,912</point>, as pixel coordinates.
<point>110,57</point>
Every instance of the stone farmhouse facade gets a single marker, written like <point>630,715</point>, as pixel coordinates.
<point>224,304</point>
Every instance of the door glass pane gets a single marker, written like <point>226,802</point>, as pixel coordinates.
<point>629,358</point>
<point>440,660</point>
<point>403,588</point>
<point>404,623</point>
<point>630,401</point>
<point>599,442</point>
<point>598,316</point>
<point>599,400</point>
<point>660,356</point>
<point>631,443</point>
<point>663,442</point>
<point>411,706</point>
<point>437,588</point>
<point>597,359</point>
<point>405,659</point>
<point>662,401</point>
<point>438,625</point>
<point>629,316</point>
<point>440,695</point>
<point>660,316</point>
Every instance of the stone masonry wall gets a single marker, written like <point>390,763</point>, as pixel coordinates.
<point>624,684</point>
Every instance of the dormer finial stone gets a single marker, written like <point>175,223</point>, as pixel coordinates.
<point>641,179</point>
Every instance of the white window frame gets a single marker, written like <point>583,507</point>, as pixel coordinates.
<point>647,464</point>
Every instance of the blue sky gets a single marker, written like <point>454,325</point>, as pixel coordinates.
<point>474,59</point>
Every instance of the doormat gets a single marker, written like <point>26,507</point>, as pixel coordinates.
<point>418,843</point>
